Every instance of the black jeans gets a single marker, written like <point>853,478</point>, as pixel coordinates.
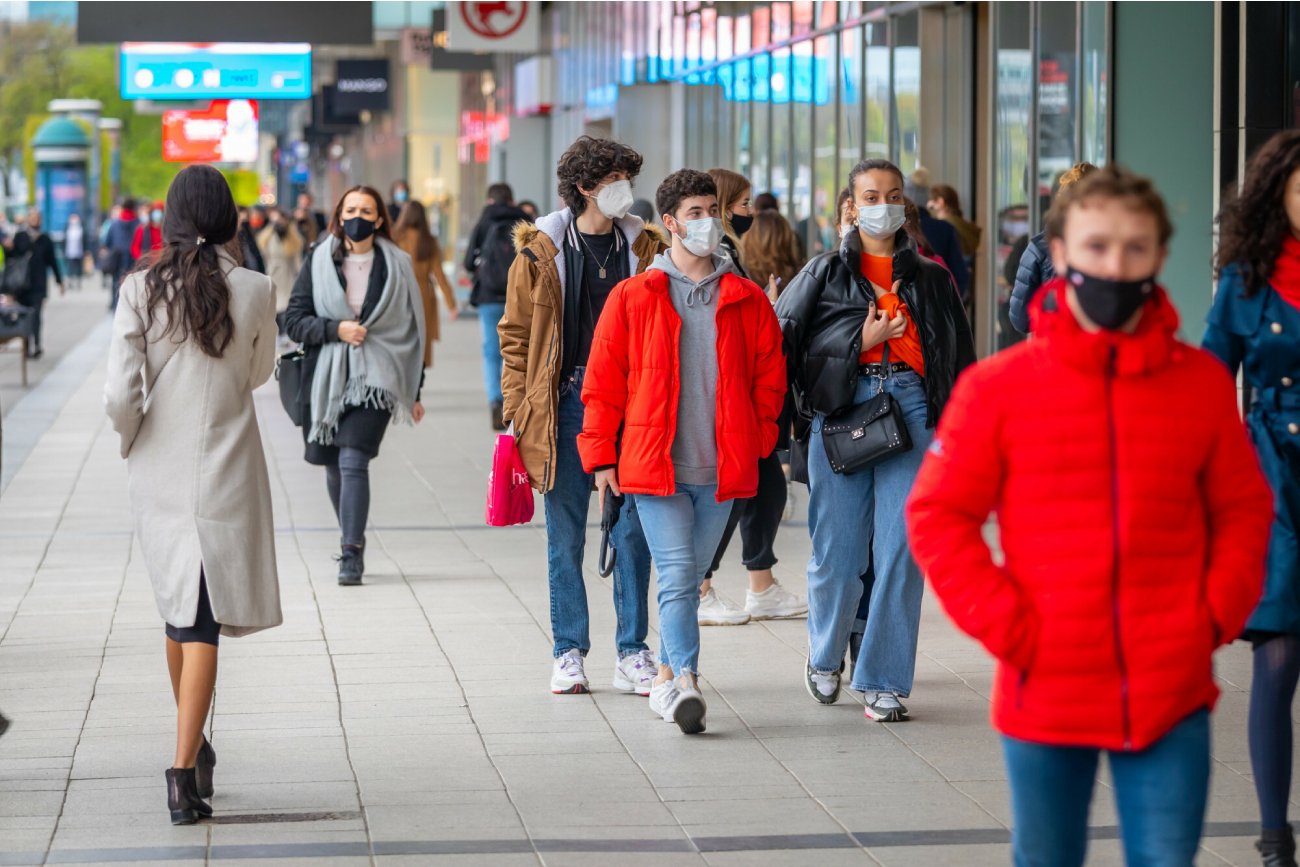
<point>349,487</point>
<point>758,518</point>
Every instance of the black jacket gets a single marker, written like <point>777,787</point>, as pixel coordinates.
<point>942,238</point>
<point>822,312</point>
<point>484,292</point>
<point>248,248</point>
<point>1035,270</point>
<point>43,259</point>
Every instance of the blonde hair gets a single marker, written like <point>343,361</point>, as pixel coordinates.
<point>731,189</point>
<point>1073,175</point>
<point>769,249</point>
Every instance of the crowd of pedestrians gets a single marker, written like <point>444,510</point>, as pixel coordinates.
<point>687,368</point>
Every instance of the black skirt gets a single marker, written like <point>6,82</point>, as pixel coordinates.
<point>360,427</point>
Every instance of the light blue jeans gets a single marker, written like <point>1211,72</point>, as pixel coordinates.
<point>683,531</point>
<point>489,316</point>
<point>857,522</point>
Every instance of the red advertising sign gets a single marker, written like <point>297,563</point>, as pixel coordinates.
<point>226,132</point>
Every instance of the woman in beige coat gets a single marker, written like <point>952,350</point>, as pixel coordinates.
<point>193,336</point>
<point>412,234</point>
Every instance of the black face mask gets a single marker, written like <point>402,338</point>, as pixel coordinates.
<point>1110,303</point>
<point>740,224</point>
<point>358,228</point>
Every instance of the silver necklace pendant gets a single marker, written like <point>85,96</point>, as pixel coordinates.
<point>602,273</point>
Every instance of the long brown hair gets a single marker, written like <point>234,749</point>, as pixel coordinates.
<point>186,277</point>
<point>769,249</point>
<point>731,189</point>
<point>413,216</point>
<point>336,223</point>
<point>1253,223</point>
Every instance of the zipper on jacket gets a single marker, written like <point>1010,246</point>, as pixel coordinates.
<point>551,433</point>
<point>1115,549</point>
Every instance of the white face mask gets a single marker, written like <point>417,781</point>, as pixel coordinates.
<point>615,199</point>
<point>881,221</point>
<point>702,236</point>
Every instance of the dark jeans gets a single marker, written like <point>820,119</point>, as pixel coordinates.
<point>1160,794</point>
<point>349,486</point>
<point>758,518</point>
<point>567,505</point>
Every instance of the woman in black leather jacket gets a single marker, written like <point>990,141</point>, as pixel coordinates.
<point>874,315</point>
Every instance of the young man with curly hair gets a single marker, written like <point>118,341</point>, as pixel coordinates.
<point>568,262</point>
<point>683,389</point>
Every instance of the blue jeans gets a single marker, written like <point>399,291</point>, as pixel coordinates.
<point>489,316</point>
<point>567,504</point>
<point>683,531</point>
<point>1160,794</point>
<point>857,523</point>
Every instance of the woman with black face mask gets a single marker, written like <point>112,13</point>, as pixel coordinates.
<point>357,311</point>
<point>1254,327</point>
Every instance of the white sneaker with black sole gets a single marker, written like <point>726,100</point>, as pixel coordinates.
<point>822,686</point>
<point>635,673</point>
<point>775,603</point>
<point>688,710</point>
<point>715,611</point>
<point>884,707</point>
<point>568,677</point>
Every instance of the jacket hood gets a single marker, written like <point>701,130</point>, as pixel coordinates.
<point>496,211</point>
<point>1148,348</point>
<point>698,292</point>
<point>556,223</point>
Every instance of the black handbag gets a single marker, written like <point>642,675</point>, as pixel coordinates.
<point>288,373</point>
<point>15,321</point>
<point>862,436</point>
<point>17,271</point>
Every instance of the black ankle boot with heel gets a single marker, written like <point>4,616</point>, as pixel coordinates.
<point>183,797</point>
<point>352,563</point>
<point>203,766</point>
<point>1277,847</point>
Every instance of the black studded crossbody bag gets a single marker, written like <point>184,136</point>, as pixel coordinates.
<point>859,437</point>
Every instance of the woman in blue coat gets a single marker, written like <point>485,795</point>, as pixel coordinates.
<point>1254,327</point>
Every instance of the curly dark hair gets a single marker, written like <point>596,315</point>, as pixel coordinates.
<point>682,184</point>
<point>1253,223</point>
<point>586,163</point>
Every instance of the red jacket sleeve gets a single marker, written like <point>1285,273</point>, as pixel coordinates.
<point>604,390</point>
<point>1239,516</point>
<point>137,242</point>
<point>769,382</point>
<point>959,486</point>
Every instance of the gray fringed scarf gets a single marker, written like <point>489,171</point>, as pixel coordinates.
<point>384,371</point>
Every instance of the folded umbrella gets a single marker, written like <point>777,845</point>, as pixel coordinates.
<point>608,518</point>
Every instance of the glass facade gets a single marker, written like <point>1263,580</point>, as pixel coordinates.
<point>792,94</point>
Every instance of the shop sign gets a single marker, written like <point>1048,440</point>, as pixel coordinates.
<point>493,26</point>
<point>224,132</point>
<point>361,85</point>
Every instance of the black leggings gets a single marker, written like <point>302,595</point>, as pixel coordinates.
<point>206,629</point>
<point>759,518</point>
<point>349,486</point>
<point>1272,687</point>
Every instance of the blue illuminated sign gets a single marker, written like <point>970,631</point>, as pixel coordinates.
<point>216,70</point>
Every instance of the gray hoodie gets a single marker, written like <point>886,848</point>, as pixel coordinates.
<point>695,448</point>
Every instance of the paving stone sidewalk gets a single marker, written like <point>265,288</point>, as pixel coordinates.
<point>409,721</point>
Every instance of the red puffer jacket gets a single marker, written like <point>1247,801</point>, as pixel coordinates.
<point>1134,523</point>
<point>633,381</point>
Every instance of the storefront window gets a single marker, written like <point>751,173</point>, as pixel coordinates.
<point>879,90</point>
<point>1057,77</point>
<point>760,114</point>
<point>1095,71</point>
<point>1014,80</point>
<point>851,103</point>
<point>782,143</point>
<point>907,91</point>
<point>741,113</point>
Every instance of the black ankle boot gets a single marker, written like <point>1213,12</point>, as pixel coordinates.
<point>1277,847</point>
<point>203,765</point>
<point>183,797</point>
<point>351,565</point>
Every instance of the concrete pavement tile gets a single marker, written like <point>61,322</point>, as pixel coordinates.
<point>493,860</point>
<point>982,855</point>
<point>790,858</point>
<point>427,823</point>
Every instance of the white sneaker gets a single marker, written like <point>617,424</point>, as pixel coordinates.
<point>775,603</point>
<point>688,711</point>
<point>568,676</point>
<point>636,673</point>
<point>662,698</point>
<point>714,611</point>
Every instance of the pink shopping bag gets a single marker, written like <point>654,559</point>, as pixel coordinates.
<point>509,496</point>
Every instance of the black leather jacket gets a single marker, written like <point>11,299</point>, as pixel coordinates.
<point>822,312</point>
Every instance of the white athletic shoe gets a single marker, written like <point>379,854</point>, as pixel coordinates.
<point>775,603</point>
<point>688,711</point>
<point>568,676</point>
<point>636,673</point>
<point>714,611</point>
<point>662,698</point>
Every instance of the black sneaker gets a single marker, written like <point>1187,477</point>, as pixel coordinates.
<point>885,707</point>
<point>351,565</point>
<point>1277,847</point>
<point>825,688</point>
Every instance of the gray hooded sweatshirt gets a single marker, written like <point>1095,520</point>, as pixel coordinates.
<point>695,448</point>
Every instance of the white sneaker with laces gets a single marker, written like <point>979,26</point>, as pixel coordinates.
<point>662,698</point>
<point>568,676</point>
<point>714,611</point>
<point>775,603</point>
<point>636,673</point>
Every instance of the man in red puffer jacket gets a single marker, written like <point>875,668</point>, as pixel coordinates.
<point>1134,523</point>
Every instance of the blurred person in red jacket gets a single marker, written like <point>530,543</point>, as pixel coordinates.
<point>1134,522</point>
<point>148,235</point>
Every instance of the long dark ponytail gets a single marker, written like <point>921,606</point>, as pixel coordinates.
<point>186,278</point>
